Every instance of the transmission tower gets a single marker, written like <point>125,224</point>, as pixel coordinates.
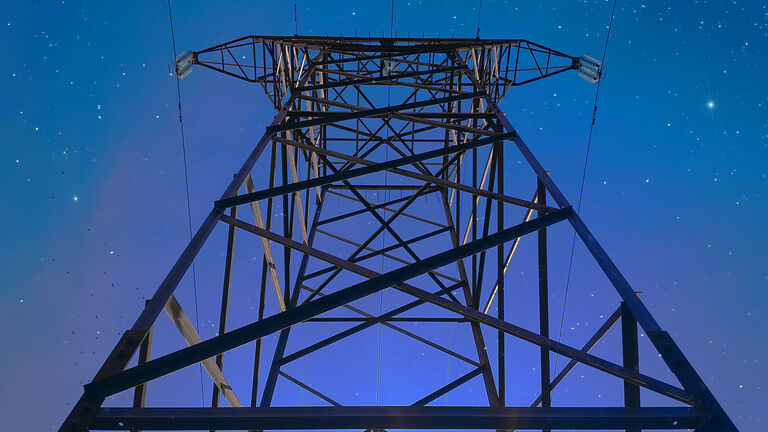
<point>384,172</point>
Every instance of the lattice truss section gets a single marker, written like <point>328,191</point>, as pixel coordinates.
<point>376,197</point>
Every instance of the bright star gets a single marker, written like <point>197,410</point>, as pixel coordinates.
<point>710,104</point>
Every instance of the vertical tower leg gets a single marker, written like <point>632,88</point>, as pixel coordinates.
<point>225,298</point>
<point>546,400</point>
<point>631,357</point>
<point>498,150</point>
<point>140,391</point>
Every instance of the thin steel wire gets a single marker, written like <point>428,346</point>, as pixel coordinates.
<point>581,188</point>
<point>186,186</point>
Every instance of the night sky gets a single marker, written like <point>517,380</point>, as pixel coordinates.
<point>94,211</point>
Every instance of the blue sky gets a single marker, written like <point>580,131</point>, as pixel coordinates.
<point>93,185</point>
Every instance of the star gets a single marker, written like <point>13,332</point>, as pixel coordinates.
<point>710,104</point>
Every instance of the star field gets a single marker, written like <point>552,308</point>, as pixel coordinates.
<point>94,209</point>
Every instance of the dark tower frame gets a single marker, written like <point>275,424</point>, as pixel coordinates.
<point>446,119</point>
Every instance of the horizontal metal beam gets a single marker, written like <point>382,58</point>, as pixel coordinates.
<point>343,83</point>
<point>430,114</point>
<point>423,177</point>
<point>393,319</point>
<point>390,417</point>
<point>356,172</point>
<point>371,112</point>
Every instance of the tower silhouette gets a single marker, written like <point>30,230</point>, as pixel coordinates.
<point>382,198</point>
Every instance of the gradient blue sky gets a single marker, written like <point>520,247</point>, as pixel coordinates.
<point>92,181</point>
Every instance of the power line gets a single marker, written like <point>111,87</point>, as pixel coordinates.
<point>186,186</point>
<point>583,178</point>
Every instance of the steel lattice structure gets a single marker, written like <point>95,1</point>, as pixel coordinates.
<point>408,134</point>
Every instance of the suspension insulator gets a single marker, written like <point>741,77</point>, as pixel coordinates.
<point>590,68</point>
<point>184,64</point>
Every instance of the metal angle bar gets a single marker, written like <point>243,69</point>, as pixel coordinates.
<point>331,102</point>
<point>395,214</point>
<point>383,252</point>
<point>367,256</point>
<point>356,172</point>
<point>265,246</point>
<point>631,359</point>
<point>187,330</point>
<point>417,117</point>
<point>188,356</point>
<point>383,417</point>
<point>386,322</point>
<point>380,140</point>
<point>263,288</point>
<point>586,348</point>
<point>508,259</point>
<point>409,241</point>
<point>477,334</point>
<point>398,187</point>
<point>225,299</point>
<point>279,352</point>
<point>478,192</point>
<point>308,388</point>
<point>392,232</point>
<point>393,319</point>
<point>442,125</point>
<point>140,391</point>
<point>367,113</point>
<point>357,212</point>
<point>395,235</point>
<point>379,78</point>
<point>386,81</point>
<point>547,75</point>
<point>402,211</point>
<point>486,227</point>
<point>386,123</point>
<point>420,114</point>
<point>544,303</point>
<point>371,57</point>
<point>367,324</point>
<point>418,140</point>
<point>448,387</point>
<point>501,337</point>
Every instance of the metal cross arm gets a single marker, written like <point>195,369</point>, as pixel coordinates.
<point>275,61</point>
